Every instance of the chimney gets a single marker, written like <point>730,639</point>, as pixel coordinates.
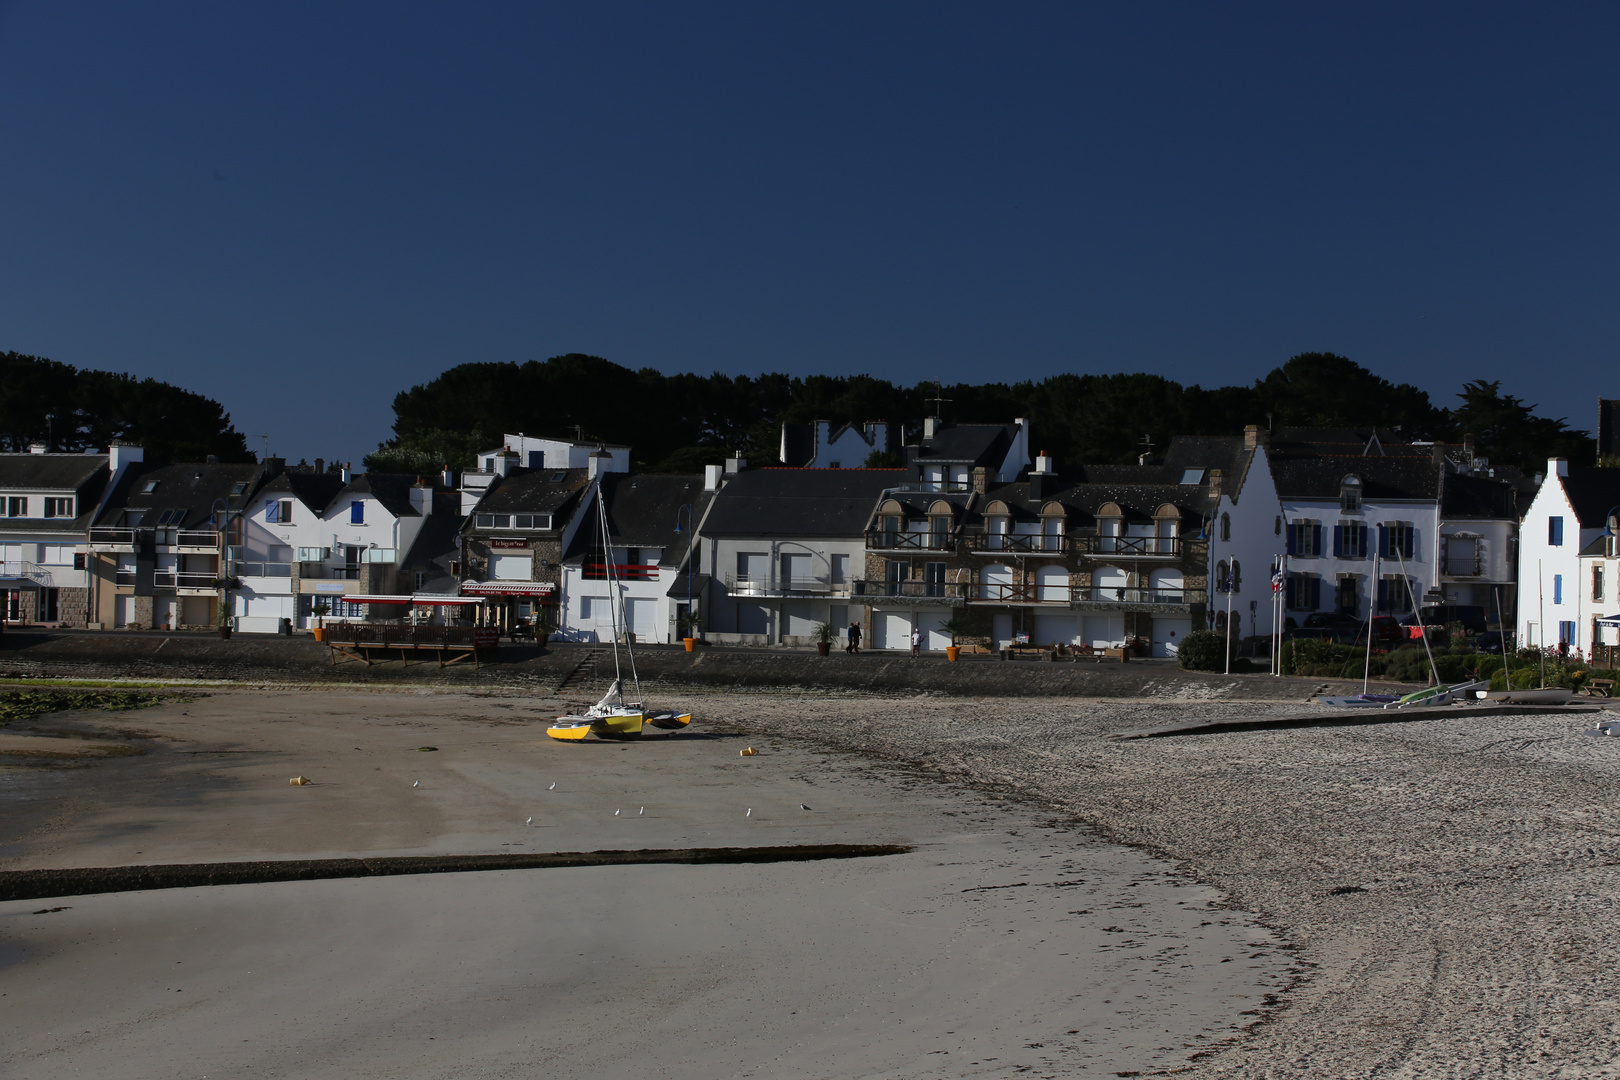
<point>711,477</point>
<point>37,448</point>
<point>1252,438</point>
<point>735,464</point>
<point>422,497</point>
<point>930,425</point>
<point>597,463</point>
<point>274,466</point>
<point>121,454</point>
<point>981,479</point>
<point>1216,479</point>
<point>346,473</point>
<point>1145,458</point>
<point>320,466</point>
<point>1043,464</point>
<point>447,477</point>
<point>1557,466</point>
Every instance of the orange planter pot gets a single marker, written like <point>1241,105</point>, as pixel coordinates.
<point>952,652</point>
<point>689,642</point>
<point>320,633</point>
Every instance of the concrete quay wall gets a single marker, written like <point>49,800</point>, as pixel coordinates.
<point>268,658</point>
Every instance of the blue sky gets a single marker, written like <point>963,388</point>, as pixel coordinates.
<point>301,209</point>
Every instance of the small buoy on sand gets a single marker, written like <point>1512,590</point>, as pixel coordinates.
<point>750,752</point>
<point>299,781</point>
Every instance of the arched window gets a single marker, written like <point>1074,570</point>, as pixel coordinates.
<point>1237,577</point>
<point>1226,526</point>
<point>1350,494</point>
<point>1220,576</point>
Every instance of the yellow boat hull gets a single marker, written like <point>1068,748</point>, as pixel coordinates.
<point>617,726</point>
<point>670,721</point>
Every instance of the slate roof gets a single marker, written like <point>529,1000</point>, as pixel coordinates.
<point>642,510</point>
<point>1224,452</point>
<point>799,502</point>
<point>49,472</point>
<point>190,488</point>
<point>84,474</point>
<point>1592,492</point>
<point>440,535</point>
<point>1081,499</point>
<point>1397,477</point>
<point>966,444</point>
<point>534,491</point>
<point>314,490</point>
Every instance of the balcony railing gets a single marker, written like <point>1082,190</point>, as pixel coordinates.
<point>920,590</point>
<point>197,539</point>
<point>22,570</point>
<point>933,485</point>
<point>979,592</point>
<point>770,585</point>
<point>1125,545</point>
<point>124,577</point>
<point>598,571</point>
<point>262,569</point>
<point>884,540</point>
<point>1017,543</point>
<point>181,579</point>
<point>112,537</point>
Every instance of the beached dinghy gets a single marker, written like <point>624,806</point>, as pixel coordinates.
<point>610,718</point>
<point>1436,695</point>
<point>613,717</point>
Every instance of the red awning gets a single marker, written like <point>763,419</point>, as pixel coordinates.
<point>426,601</point>
<point>508,588</point>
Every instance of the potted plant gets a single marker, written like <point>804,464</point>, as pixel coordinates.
<point>224,620</point>
<point>321,608</point>
<point>689,625</point>
<point>823,637</point>
<point>542,625</point>
<point>956,627</point>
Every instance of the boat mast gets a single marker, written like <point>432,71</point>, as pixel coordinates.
<point>618,598</point>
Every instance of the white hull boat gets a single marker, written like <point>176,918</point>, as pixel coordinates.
<point>1552,695</point>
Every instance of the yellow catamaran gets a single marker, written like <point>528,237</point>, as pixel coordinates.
<point>613,717</point>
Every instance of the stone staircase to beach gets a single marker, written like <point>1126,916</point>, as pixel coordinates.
<point>579,672</point>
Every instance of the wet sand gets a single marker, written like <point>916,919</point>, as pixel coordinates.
<point>1014,941</point>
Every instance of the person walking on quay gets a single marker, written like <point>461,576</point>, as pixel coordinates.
<point>916,640</point>
<point>854,638</point>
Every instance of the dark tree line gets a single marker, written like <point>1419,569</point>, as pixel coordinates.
<point>677,423</point>
<point>70,410</point>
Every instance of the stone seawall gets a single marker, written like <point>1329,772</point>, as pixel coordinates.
<point>255,658</point>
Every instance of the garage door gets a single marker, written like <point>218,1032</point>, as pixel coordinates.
<point>642,616</point>
<point>1104,631</point>
<point>1052,627</point>
<point>1168,634</point>
<point>933,627</point>
<point>891,630</point>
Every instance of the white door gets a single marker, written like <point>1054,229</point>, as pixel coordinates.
<point>1108,583</point>
<point>995,583</point>
<point>796,572</point>
<point>1053,628</point>
<point>166,612</point>
<point>1052,583</point>
<point>1001,628</point>
<point>932,624</point>
<point>1104,631</point>
<point>1166,583</point>
<point>643,618</point>
<point>798,618</point>
<point>124,611</point>
<point>892,630</point>
<point>1168,634</point>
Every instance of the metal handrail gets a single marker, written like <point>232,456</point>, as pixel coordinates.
<point>196,538</point>
<point>112,536</point>
<point>1017,543</point>
<point>182,579</point>
<point>22,570</point>
<point>1126,545</point>
<point>1031,592</point>
<point>886,540</point>
<point>748,585</point>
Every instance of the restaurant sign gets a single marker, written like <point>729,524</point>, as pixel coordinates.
<point>510,545</point>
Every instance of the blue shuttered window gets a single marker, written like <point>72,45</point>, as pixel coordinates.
<point>1555,532</point>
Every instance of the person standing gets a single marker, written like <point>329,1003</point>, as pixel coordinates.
<point>916,640</point>
<point>855,637</point>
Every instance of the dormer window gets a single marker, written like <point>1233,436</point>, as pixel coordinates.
<point>149,487</point>
<point>1350,495</point>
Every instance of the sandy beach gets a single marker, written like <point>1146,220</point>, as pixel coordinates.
<point>1014,940</point>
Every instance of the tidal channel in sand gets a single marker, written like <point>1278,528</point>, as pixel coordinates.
<point>1011,941</point>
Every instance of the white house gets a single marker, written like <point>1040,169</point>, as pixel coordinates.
<point>1569,512</point>
<point>307,536</point>
<point>522,451</point>
<point>650,519</point>
<point>818,445</point>
<point>47,502</point>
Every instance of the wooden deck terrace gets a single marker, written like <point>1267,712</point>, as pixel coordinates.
<point>448,645</point>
